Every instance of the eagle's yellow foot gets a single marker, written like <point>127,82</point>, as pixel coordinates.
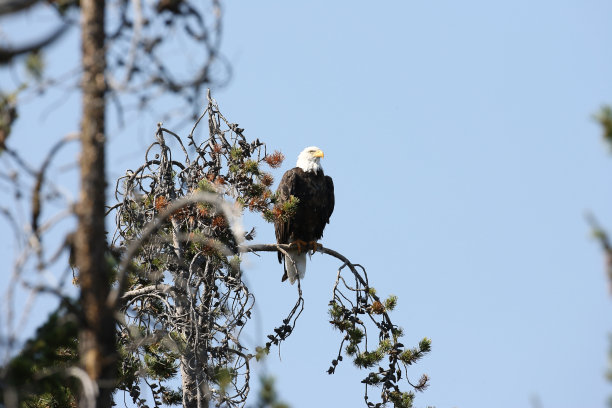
<point>314,246</point>
<point>300,245</point>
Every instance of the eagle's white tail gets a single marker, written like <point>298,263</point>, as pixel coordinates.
<point>300,264</point>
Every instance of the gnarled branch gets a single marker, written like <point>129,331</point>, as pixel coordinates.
<point>389,359</point>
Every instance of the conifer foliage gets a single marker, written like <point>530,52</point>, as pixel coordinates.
<point>179,281</point>
<point>185,303</point>
<point>355,310</point>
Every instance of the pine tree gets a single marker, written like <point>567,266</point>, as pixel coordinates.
<point>180,284</point>
<point>185,303</point>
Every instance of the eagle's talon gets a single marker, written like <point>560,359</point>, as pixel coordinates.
<point>300,245</point>
<point>314,246</point>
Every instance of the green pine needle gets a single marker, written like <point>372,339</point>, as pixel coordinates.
<point>391,302</point>
<point>235,153</point>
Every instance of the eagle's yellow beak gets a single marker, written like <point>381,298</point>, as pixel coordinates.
<point>318,153</point>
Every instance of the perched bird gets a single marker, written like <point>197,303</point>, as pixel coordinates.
<point>303,228</point>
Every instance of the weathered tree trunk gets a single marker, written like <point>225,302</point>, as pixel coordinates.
<point>97,336</point>
<point>192,359</point>
<point>189,382</point>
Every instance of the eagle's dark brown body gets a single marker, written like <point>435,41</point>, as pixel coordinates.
<point>315,192</point>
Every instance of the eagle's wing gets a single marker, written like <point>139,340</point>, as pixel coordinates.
<point>323,204</point>
<point>286,189</point>
<point>329,196</point>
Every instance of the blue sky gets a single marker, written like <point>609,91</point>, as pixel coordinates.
<point>460,139</point>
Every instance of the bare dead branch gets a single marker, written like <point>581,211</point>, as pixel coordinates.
<point>148,289</point>
<point>7,54</point>
<point>40,175</point>
<point>153,227</point>
<point>13,6</point>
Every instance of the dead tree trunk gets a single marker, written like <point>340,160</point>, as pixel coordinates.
<point>194,368</point>
<point>97,335</point>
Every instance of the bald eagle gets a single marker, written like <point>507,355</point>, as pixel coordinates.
<point>315,192</point>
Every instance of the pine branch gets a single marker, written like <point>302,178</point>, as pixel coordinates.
<point>346,314</point>
<point>153,227</point>
<point>284,247</point>
<point>160,287</point>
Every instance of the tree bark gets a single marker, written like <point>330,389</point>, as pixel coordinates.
<point>97,336</point>
<point>189,383</point>
<point>193,358</point>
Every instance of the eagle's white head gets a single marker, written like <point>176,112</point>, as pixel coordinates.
<point>309,159</point>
